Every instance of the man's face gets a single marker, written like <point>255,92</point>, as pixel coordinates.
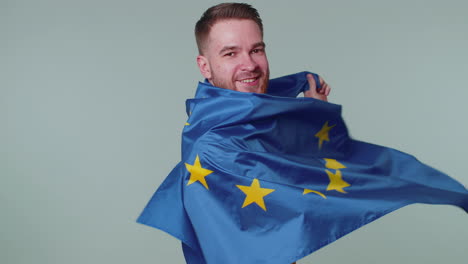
<point>234,57</point>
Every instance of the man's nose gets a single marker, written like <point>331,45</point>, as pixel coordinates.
<point>248,63</point>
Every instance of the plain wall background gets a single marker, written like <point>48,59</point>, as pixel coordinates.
<point>92,105</point>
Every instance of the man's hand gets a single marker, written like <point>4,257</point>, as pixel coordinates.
<point>313,92</point>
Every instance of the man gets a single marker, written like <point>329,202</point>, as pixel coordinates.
<point>268,178</point>
<point>232,52</point>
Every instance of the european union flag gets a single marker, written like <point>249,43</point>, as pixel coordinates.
<point>270,178</point>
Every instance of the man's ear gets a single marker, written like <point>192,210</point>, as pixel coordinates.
<point>204,66</point>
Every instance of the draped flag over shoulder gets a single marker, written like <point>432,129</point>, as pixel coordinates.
<point>270,178</point>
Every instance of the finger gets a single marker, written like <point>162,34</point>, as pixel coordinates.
<point>326,89</point>
<point>323,89</point>
<point>311,80</point>
<point>312,84</point>
<point>322,81</point>
<point>322,85</point>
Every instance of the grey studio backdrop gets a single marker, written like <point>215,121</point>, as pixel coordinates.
<point>92,107</point>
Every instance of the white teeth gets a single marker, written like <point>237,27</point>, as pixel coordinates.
<point>248,80</point>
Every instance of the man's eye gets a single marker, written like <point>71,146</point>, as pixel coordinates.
<point>230,54</point>
<point>257,50</point>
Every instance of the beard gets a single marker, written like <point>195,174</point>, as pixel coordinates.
<point>228,83</point>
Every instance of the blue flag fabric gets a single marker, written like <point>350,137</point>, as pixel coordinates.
<point>270,178</point>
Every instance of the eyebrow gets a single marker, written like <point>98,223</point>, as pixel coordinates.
<point>259,44</point>
<point>229,48</point>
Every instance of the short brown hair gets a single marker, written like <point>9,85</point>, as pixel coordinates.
<point>220,12</point>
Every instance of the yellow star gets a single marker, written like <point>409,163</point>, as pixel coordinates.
<point>254,194</point>
<point>336,182</point>
<point>187,124</point>
<point>323,134</point>
<point>197,173</point>
<point>306,191</point>
<point>333,164</point>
